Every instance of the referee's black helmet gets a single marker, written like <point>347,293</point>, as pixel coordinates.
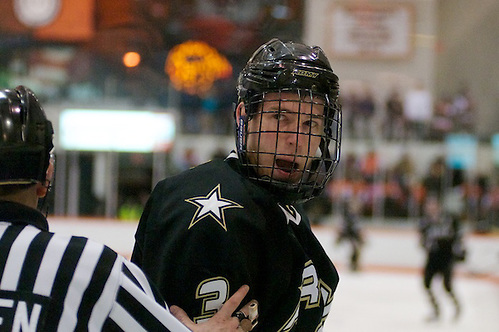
<point>281,67</point>
<point>25,137</point>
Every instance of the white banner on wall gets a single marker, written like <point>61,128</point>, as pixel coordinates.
<point>372,30</point>
<point>113,130</point>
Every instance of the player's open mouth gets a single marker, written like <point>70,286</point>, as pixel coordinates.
<point>286,165</point>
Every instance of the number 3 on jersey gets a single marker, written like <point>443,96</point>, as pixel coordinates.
<point>213,292</point>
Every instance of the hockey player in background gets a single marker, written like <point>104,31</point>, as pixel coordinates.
<point>239,221</point>
<point>350,231</point>
<point>441,239</point>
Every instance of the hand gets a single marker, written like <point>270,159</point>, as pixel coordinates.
<point>222,321</point>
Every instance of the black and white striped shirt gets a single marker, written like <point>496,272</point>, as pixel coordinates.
<point>54,282</point>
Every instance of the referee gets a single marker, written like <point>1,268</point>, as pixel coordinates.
<point>54,282</point>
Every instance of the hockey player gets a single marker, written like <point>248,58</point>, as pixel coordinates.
<point>442,240</point>
<point>350,231</point>
<point>239,221</point>
<point>54,282</point>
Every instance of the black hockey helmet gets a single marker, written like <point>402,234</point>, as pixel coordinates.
<point>278,67</point>
<point>25,137</point>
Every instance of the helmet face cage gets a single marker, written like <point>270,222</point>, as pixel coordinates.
<point>289,138</point>
<point>25,138</point>
<point>291,142</point>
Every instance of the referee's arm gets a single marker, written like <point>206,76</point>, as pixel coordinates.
<point>137,305</point>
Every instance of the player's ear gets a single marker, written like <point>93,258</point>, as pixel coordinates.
<point>42,188</point>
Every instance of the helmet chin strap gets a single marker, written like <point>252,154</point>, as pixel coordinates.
<point>241,132</point>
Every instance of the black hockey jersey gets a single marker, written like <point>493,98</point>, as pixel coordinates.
<point>209,230</point>
<point>442,240</point>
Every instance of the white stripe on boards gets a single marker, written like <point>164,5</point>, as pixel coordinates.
<point>164,316</point>
<point>141,278</point>
<point>124,320</point>
<point>107,299</point>
<point>79,283</point>
<point>17,255</point>
<point>50,264</point>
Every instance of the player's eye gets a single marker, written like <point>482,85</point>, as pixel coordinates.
<point>278,115</point>
<point>311,123</point>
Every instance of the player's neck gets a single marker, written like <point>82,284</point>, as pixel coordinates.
<point>26,197</point>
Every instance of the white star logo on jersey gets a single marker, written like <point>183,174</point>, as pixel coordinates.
<point>212,205</point>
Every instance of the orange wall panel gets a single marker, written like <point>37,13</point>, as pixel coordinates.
<point>76,22</point>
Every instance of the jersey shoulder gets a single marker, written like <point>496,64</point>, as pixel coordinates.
<point>198,178</point>
<point>215,182</point>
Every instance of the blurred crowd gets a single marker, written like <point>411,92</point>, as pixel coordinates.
<point>405,115</point>
<point>410,114</point>
<point>397,191</point>
<point>209,113</point>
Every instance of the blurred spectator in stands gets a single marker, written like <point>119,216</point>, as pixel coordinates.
<point>187,160</point>
<point>442,123</point>
<point>394,200</point>
<point>485,205</point>
<point>348,182</point>
<point>226,102</point>
<point>190,106</point>
<point>364,114</point>
<point>348,102</point>
<point>453,113</point>
<point>373,188</point>
<point>403,176</point>
<point>464,113</point>
<point>395,121</point>
<point>405,173</point>
<point>209,112</point>
<point>434,181</point>
<point>349,167</point>
<point>370,166</point>
<point>418,112</point>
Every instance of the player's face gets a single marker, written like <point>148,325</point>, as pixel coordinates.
<point>285,135</point>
